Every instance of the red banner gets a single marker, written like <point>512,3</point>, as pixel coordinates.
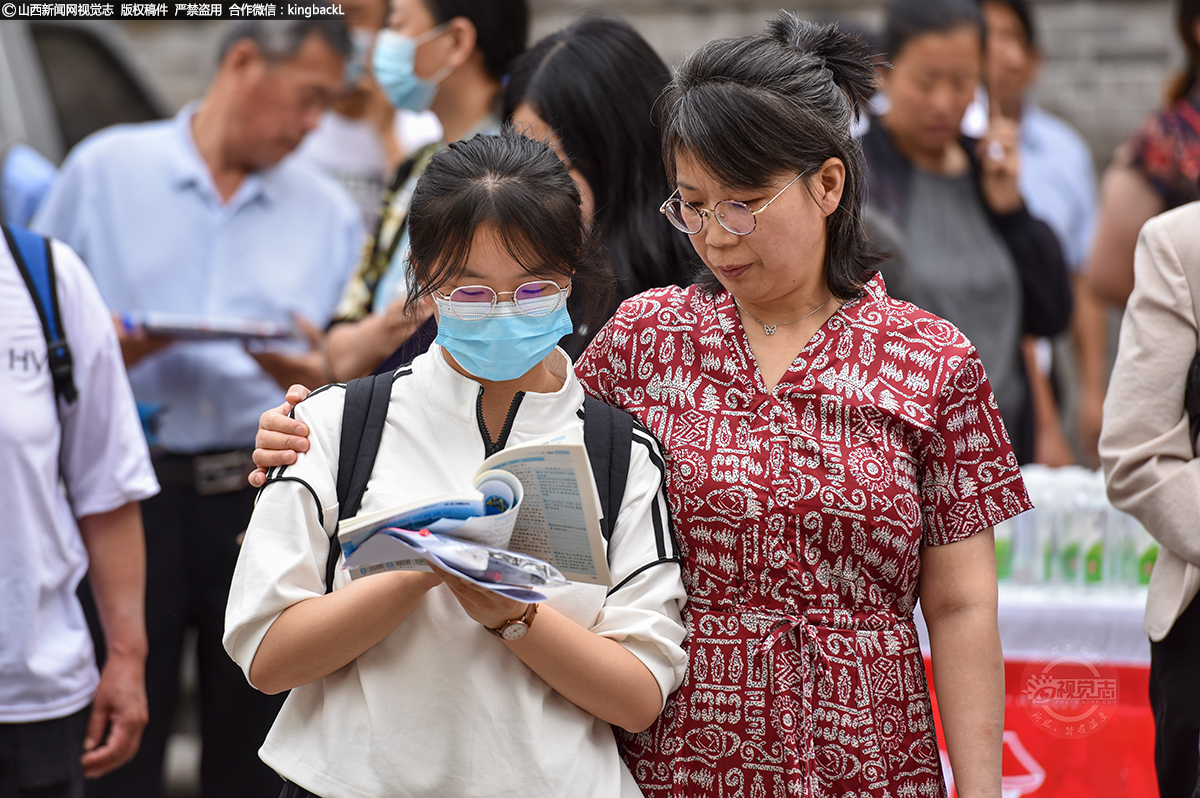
<point>1090,743</point>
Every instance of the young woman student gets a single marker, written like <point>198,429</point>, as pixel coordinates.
<point>400,682</point>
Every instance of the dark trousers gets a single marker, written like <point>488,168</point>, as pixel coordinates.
<point>41,760</point>
<point>1175,700</point>
<point>191,550</point>
<point>296,791</point>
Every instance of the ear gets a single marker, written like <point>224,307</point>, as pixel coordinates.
<point>463,37</point>
<point>242,59</point>
<point>828,184</point>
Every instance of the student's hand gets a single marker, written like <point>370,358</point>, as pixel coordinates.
<point>310,368</point>
<point>120,706</point>
<point>484,606</point>
<point>136,343</point>
<point>279,436</point>
<point>999,156</point>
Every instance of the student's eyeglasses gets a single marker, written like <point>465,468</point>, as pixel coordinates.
<point>535,298</point>
<point>734,216</point>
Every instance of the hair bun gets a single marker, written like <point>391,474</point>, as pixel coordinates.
<point>846,55</point>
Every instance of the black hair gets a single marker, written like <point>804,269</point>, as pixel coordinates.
<point>908,19</point>
<point>1186,15</point>
<point>280,40</point>
<point>518,188</point>
<point>595,84</point>
<point>762,107</point>
<point>1025,16</point>
<point>501,28</point>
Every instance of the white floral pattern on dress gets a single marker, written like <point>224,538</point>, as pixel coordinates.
<point>801,513</point>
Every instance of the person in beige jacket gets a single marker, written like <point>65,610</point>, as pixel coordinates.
<point>1152,473</point>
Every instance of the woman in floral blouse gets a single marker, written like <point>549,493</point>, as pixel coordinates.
<point>832,455</point>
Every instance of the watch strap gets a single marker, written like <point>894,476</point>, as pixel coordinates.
<point>525,618</point>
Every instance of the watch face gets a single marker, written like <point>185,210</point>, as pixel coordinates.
<point>515,630</point>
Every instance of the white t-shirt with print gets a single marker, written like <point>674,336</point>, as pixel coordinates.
<point>47,666</point>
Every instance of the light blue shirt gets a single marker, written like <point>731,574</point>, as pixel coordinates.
<point>138,203</point>
<point>1058,181</point>
<point>25,179</point>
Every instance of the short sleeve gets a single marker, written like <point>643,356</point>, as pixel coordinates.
<point>105,462</point>
<point>590,366</point>
<point>643,609</point>
<point>970,479</point>
<point>605,367</point>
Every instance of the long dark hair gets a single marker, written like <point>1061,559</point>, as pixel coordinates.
<point>595,84</point>
<point>781,102</point>
<point>518,188</point>
<point>501,28</point>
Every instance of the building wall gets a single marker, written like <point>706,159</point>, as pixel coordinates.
<point>1106,61</point>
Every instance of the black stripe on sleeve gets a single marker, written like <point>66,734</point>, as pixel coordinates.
<point>645,567</point>
<point>320,509</point>
<point>664,532</point>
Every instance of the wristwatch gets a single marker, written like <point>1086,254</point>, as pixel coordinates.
<point>515,628</point>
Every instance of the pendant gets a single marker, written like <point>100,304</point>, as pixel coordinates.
<point>770,330</point>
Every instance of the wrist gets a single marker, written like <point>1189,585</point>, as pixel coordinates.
<point>515,628</point>
<point>131,651</point>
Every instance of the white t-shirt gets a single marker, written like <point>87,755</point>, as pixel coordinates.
<point>350,151</point>
<point>440,707</point>
<point>47,667</point>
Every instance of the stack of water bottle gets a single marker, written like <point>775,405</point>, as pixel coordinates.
<point>1073,537</point>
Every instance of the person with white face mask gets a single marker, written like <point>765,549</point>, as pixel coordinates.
<point>364,137</point>
<point>447,58</point>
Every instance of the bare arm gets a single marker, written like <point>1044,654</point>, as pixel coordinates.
<point>958,599</point>
<point>357,347</point>
<point>1089,332</point>
<point>1127,202</point>
<point>316,637</point>
<point>594,673</point>
<point>116,550</point>
<point>311,367</point>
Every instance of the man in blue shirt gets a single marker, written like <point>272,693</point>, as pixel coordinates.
<point>200,215</point>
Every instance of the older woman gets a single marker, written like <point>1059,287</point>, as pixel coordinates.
<point>831,454</point>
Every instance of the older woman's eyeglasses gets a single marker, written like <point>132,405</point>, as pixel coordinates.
<point>535,298</point>
<point>734,216</point>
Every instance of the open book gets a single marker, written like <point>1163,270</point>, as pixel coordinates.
<point>532,522</point>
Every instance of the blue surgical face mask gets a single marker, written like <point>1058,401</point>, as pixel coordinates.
<point>360,50</point>
<point>503,346</point>
<point>394,66</point>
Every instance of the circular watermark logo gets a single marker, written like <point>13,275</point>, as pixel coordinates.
<point>9,10</point>
<point>1069,690</point>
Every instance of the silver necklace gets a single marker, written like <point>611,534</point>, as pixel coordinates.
<point>769,329</point>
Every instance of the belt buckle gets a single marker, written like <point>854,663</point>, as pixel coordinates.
<point>221,473</point>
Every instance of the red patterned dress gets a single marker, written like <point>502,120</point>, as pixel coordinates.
<point>800,513</point>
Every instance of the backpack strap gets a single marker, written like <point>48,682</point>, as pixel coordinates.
<point>35,261</point>
<point>608,437</point>
<point>363,416</point>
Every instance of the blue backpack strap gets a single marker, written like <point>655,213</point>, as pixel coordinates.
<point>36,264</point>
<point>608,436</point>
<point>363,415</point>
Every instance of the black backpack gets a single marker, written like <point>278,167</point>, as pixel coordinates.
<point>35,262</point>
<point>607,434</point>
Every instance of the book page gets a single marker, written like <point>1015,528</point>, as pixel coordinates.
<point>555,522</point>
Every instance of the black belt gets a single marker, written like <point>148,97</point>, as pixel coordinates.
<point>207,473</point>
